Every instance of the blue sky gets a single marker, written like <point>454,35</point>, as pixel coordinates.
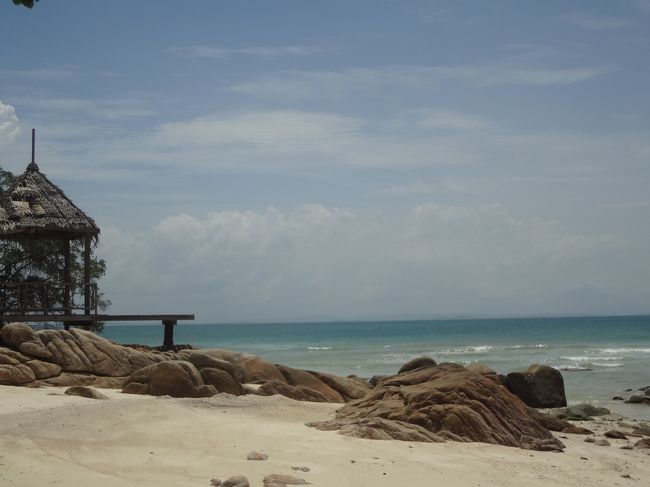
<point>298,160</point>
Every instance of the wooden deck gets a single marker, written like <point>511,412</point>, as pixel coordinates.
<point>168,321</point>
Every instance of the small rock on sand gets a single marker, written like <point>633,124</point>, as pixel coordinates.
<point>236,481</point>
<point>602,442</point>
<point>85,391</point>
<point>280,480</point>
<point>644,443</point>
<point>255,455</point>
<point>616,434</point>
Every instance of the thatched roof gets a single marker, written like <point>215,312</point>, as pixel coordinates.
<point>35,207</point>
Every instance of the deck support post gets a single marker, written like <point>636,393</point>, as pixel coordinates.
<point>168,340</point>
<point>87,241</point>
<point>67,277</point>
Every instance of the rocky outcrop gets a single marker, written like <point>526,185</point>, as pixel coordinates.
<point>451,401</point>
<point>46,354</point>
<point>82,358</point>
<point>540,386</point>
<point>173,378</point>
<point>298,384</point>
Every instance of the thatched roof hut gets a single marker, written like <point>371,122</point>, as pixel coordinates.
<point>35,207</point>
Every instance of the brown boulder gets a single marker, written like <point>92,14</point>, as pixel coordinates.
<point>222,381</point>
<point>451,400</point>
<point>25,339</point>
<point>253,368</point>
<point>299,393</point>
<point>16,375</point>
<point>540,386</point>
<point>305,379</point>
<point>43,370</point>
<point>417,363</point>
<point>349,388</point>
<point>172,378</point>
<point>203,360</point>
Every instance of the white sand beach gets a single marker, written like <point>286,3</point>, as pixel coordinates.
<point>48,438</point>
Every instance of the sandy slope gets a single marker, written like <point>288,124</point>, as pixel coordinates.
<point>47,438</point>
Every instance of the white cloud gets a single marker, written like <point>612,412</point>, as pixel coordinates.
<point>217,52</point>
<point>9,127</point>
<point>591,22</point>
<point>372,81</point>
<point>322,262</point>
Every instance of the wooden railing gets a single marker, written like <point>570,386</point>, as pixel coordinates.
<point>47,298</point>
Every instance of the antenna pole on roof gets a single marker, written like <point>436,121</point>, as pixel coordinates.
<point>32,165</point>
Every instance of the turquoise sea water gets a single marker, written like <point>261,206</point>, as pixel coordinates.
<point>600,357</point>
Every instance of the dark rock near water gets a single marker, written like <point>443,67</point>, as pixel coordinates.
<point>417,363</point>
<point>554,423</point>
<point>581,412</point>
<point>636,399</point>
<point>540,386</point>
<point>617,398</point>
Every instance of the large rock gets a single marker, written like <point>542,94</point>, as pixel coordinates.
<point>349,388</point>
<point>202,360</point>
<point>307,380</point>
<point>253,368</point>
<point>16,375</point>
<point>540,386</point>
<point>222,381</point>
<point>173,378</point>
<point>451,401</point>
<point>25,339</point>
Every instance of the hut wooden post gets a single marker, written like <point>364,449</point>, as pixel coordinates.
<point>66,277</point>
<point>87,242</point>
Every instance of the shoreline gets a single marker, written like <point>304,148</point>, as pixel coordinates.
<point>131,440</point>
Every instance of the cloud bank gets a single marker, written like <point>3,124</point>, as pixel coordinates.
<point>318,262</point>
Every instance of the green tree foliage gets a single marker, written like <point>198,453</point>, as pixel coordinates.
<point>40,262</point>
<point>25,3</point>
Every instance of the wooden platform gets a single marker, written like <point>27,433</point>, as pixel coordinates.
<point>168,321</point>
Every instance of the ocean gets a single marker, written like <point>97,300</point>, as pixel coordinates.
<point>599,357</point>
